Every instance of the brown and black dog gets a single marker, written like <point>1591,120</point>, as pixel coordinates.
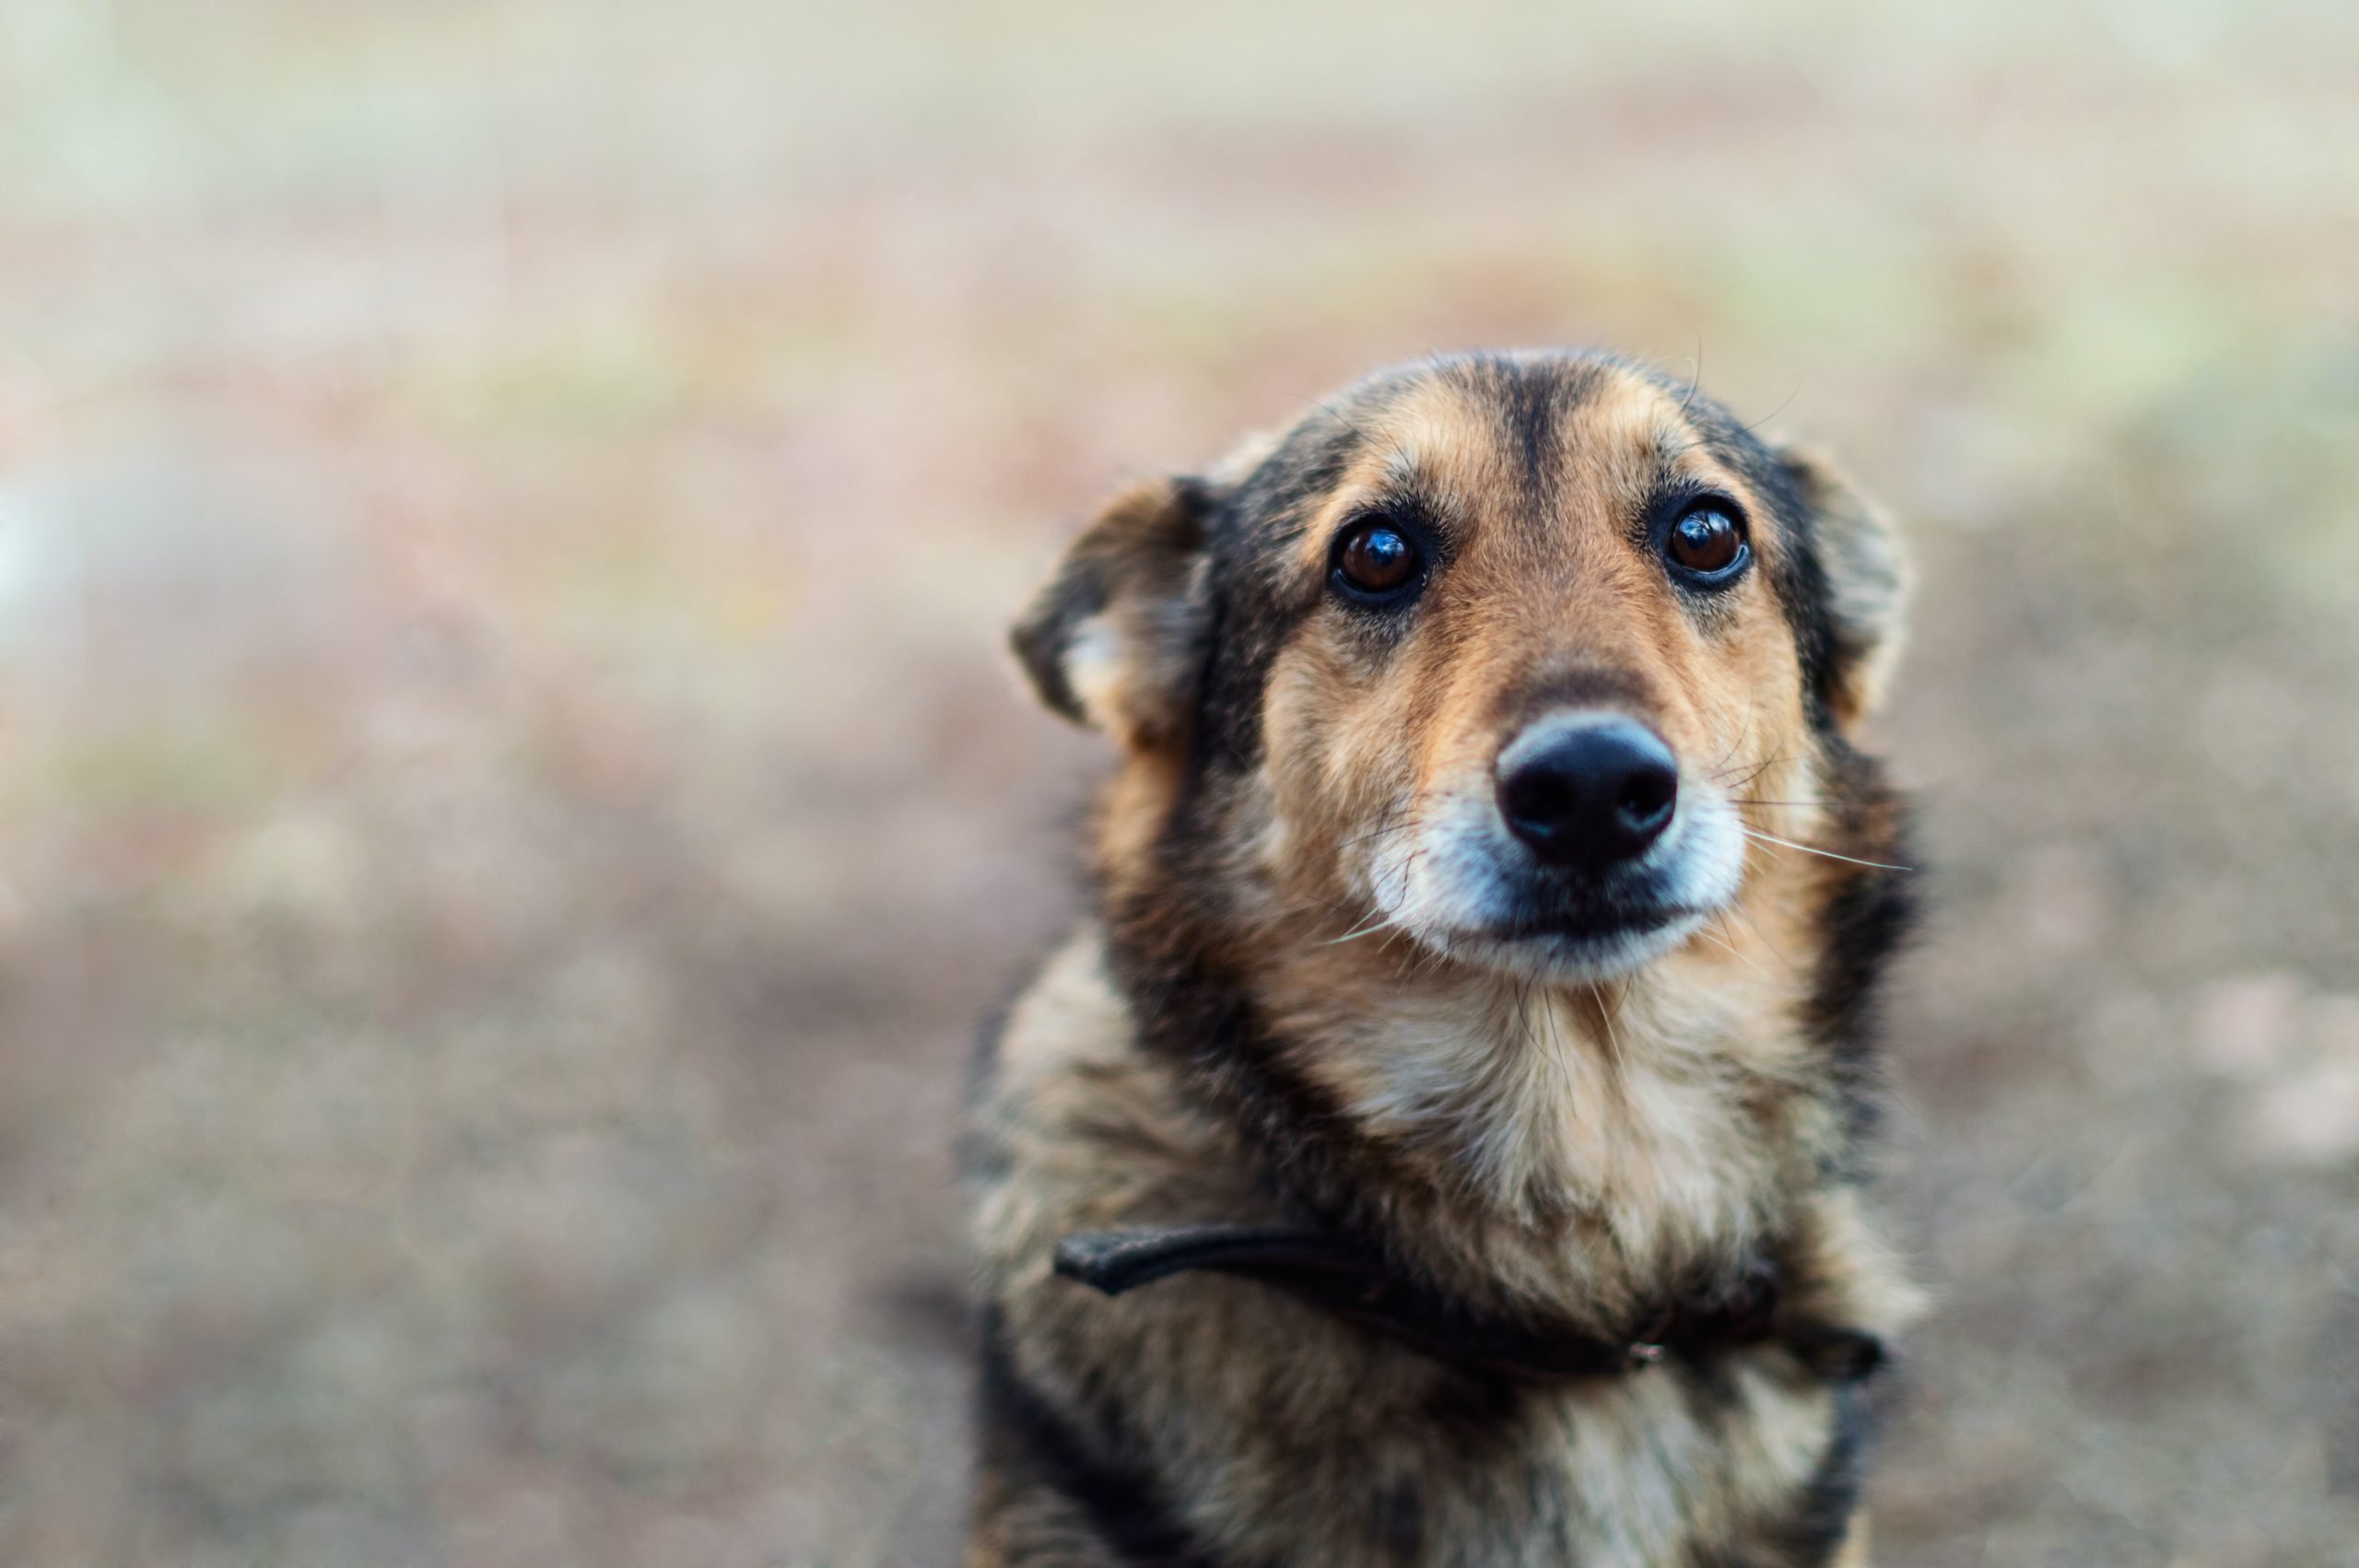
<point>1445,1145</point>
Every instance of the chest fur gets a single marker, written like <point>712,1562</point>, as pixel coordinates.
<point>1603,1139</point>
<point>1276,1430</point>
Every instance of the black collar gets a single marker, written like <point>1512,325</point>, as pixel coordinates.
<point>1355,1285</point>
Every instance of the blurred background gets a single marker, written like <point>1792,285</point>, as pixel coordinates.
<point>511,799</point>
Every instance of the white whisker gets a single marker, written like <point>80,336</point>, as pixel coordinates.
<point>1731,950</point>
<point>1746,916</point>
<point>1828,854</point>
<point>1368,927</point>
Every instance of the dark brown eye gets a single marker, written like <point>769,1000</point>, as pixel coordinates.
<point>1375,559</point>
<point>1706,541</point>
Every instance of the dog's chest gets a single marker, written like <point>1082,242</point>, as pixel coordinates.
<point>1277,1430</point>
<point>1666,1121</point>
<point>1670,1464</point>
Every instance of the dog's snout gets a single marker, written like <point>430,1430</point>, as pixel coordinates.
<point>1587,791</point>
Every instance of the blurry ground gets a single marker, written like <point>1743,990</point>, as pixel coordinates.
<point>512,798</point>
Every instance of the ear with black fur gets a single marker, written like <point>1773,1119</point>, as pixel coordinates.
<point>1868,585</point>
<point>1114,638</point>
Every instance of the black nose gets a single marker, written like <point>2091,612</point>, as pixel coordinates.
<point>1587,791</point>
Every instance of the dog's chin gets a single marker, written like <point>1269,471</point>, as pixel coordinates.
<point>1572,950</point>
<point>1495,910</point>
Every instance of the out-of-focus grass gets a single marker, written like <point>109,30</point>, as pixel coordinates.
<point>512,798</point>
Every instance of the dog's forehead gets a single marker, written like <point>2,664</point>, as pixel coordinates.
<point>1477,436</point>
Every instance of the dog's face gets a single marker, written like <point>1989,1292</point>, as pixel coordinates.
<point>1510,656</point>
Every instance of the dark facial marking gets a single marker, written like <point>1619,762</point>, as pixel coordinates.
<point>1529,405</point>
<point>1255,601</point>
<point>1531,399</point>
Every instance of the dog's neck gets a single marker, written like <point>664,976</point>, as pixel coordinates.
<point>1581,1149</point>
<point>1586,1152</point>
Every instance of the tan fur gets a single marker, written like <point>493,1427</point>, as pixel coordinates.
<point>1548,1147</point>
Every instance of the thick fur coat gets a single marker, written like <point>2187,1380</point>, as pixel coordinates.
<point>1345,974</point>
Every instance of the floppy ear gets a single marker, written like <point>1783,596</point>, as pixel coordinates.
<point>1114,638</point>
<point>1868,585</point>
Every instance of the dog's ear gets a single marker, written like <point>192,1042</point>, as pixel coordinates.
<point>1114,639</point>
<point>1868,584</point>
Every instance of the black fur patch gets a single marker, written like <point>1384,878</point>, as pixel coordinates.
<point>1401,1521</point>
<point>1203,1023</point>
<point>1869,914</point>
<point>1026,1441</point>
<point>1532,396</point>
<point>1815,1531</point>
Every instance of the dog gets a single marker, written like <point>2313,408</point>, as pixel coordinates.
<point>1448,1142</point>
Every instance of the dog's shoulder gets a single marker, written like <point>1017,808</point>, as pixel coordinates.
<point>1072,1127</point>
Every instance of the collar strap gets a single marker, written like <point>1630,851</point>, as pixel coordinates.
<point>1354,1284</point>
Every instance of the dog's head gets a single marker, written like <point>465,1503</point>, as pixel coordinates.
<point>1512,656</point>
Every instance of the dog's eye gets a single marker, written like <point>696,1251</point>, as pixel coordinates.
<point>1707,541</point>
<point>1374,559</point>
